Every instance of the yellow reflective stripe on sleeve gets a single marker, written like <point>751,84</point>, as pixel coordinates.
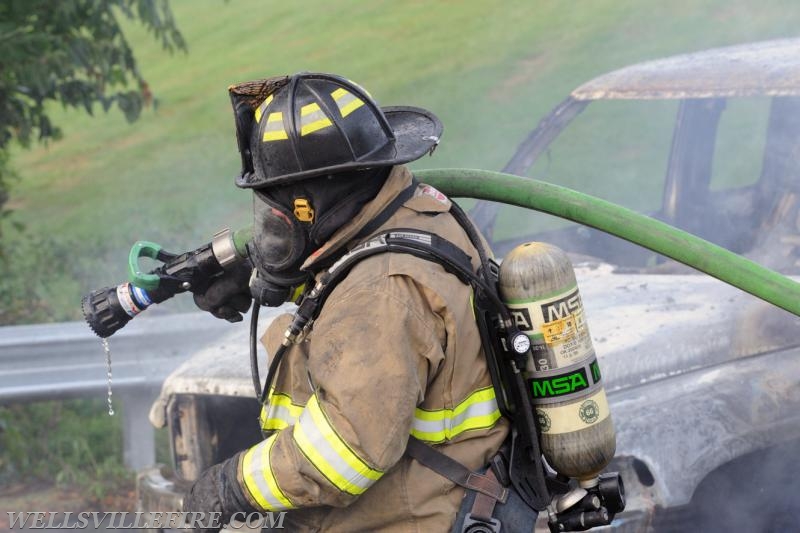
<point>331,455</point>
<point>346,101</point>
<point>274,130</point>
<point>274,424</point>
<point>279,412</point>
<point>478,411</point>
<point>312,119</point>
<point>259,480</point>
<point>263,107</point>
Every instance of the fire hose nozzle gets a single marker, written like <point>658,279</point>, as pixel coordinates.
<point>103,312</point>
<point>108,309</point>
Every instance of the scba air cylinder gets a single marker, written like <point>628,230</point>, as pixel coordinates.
<point>537,284</point>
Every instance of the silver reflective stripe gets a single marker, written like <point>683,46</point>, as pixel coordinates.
<point>478,411</point>
<point>281,414</point>
<point>330,454</point>
<point>346,101</point>
<point>313,118</point>
<point>280,411</point>
<point>259,479</point>
<point>273,129</point>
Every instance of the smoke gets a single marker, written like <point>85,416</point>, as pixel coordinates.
<point>755,493</point>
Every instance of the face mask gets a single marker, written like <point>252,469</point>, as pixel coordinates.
<point>280,245</point>
<point>280,240</point>
<point>291,221</point>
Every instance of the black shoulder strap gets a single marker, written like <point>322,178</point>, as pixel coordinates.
<point>422,244</point>
<point>454,471</point>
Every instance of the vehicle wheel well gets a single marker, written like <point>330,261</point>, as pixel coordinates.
<point>754,492</point>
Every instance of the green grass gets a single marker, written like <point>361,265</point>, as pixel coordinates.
<point>64,442</point>
<point>489,70</point>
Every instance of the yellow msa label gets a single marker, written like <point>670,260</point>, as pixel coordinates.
<point>559,322</point>
<point>575,416</point>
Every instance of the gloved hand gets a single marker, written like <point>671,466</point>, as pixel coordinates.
<point>217,491</point>
<point>228,295</point>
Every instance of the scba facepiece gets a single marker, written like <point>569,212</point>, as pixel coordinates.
<point>291,221</point>
<point>315,148</point>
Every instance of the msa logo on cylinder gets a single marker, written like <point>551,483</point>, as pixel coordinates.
<point>550,311</point>
<point>559,385</point>
<point>568,383</point>
<point>561,308</point>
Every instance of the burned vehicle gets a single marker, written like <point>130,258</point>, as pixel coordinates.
<point>703,380</point>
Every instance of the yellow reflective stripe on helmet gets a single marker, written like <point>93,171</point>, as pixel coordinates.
<point>331,455</point>
<point>346,101</point>
<point>263,107</point>
<point>279,412</point>
<point>259,480</point>
<point>360,87</point>
<point>312,119</point>
<point>274,130</point>
<point>478,411</point>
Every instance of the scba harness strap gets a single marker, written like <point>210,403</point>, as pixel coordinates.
<point>455,471</point>
<point>488,491</point>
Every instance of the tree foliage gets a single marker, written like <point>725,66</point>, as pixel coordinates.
<point>73,52</point>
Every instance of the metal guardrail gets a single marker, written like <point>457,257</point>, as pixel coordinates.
<point>66,360</point>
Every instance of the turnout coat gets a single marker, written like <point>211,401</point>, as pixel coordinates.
<point>394,352</point>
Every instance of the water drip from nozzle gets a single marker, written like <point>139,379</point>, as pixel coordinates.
<point>107,350</point>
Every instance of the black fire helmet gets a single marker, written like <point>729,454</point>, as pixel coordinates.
<point>296,127</point>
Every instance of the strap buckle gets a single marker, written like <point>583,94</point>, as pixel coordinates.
<point>473,524</point>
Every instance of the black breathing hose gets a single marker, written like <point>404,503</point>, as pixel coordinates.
<point>254,350</point>
<point>261,392</point>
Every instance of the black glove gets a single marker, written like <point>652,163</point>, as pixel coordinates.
<point>217,491</point>
<point>228,295</point>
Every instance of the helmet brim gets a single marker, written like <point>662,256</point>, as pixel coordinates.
<point>416,130</point>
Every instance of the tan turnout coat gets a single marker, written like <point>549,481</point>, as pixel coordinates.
<point>395,351</point>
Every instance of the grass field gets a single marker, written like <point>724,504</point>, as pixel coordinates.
<point>489,70</point>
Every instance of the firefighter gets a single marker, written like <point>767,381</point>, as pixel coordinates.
<point>394,353</point>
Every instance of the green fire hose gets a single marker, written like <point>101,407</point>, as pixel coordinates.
<point>105,313</point>
<point>620,222</point>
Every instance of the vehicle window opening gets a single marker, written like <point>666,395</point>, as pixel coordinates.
<point>690,163</point>
<point>777,193</point>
